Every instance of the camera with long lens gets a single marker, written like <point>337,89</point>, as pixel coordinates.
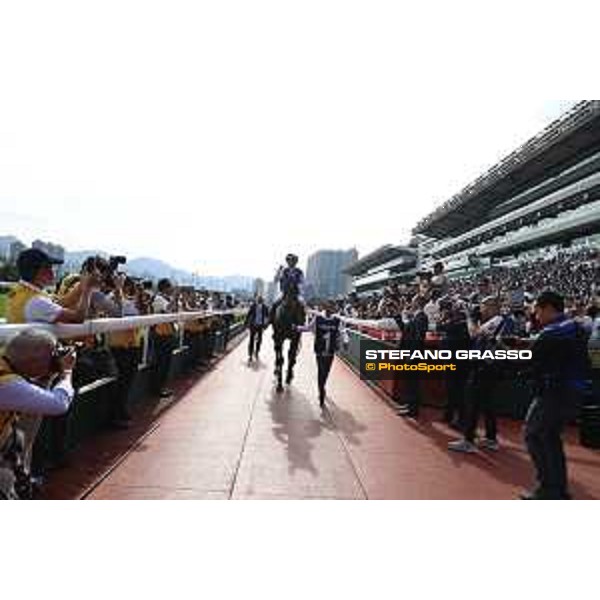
<point>115,261</point>
<point>106,268</point>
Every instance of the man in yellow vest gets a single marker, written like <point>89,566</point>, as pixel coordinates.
<point>29,303</point>
<point>126,350</point>
<point>34,380</point>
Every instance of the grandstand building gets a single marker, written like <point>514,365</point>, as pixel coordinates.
<point>385,265</point>
<point>544,195</point>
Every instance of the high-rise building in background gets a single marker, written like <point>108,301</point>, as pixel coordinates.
<point>271,292</point>
<point>6,241</point>
<point>259,287</point>
<point>325,277</point>
<point>15,249</point>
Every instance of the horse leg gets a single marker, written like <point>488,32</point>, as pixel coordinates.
<point>292,355</point>
<point>279,363</point>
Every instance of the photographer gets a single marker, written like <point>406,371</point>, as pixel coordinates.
<point>482,379</point>
<point>126,350</point>
<point>561,374</point>
<point>35,379</point>
<point>455,336</point>
<point>29,303</point>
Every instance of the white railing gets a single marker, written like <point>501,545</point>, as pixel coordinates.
<point>99,326</point>
<point>380,329</point>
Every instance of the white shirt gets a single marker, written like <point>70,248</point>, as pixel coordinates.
<point>160,304</point>
<point>41,309</point>
<point>21,396</point>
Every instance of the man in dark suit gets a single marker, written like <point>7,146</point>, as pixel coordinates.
<point>257,321</point>
<point>413,339</point>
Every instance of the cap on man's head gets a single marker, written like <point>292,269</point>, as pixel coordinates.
<point>30,262</point>
<point>551,298</point>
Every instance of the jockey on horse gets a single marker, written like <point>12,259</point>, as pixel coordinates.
<point>287,314</point>
<point>289,276</point>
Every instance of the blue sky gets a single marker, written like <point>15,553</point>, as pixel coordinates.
<point>218,142</point>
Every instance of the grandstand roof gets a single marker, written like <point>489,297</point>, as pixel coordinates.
<point>380,256</point>
<point>570,138</point>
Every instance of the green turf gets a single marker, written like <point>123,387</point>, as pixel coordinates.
<point>2,305</point>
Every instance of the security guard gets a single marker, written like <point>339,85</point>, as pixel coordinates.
<point>561,374</point>
<point>257,320</point>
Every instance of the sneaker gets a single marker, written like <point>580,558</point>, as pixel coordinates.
<point>491,445</point>
<point>462,446</point>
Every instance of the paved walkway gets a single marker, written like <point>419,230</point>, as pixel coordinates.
<point>231,436</point>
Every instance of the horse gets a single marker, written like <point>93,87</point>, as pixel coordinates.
<point>286,314</point>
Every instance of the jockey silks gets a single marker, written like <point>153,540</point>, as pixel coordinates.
<point>291,277</point>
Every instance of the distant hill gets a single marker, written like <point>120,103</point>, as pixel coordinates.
<point>152,268</point>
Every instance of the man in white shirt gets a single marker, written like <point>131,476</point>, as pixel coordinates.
<point>34,380</point>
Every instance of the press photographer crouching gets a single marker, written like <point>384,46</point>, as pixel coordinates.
<point>35,379</point>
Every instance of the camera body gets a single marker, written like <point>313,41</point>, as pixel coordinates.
<point>106,268</point>
<point>61,352</point>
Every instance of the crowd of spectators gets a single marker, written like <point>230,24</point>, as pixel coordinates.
<point>549,305</point>
<point>101,289</point>
<point>575,274</point>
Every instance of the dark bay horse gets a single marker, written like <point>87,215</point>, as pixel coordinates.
<point>286,314</point>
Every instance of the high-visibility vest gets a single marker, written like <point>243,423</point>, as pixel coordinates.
<point>18,298</point>
<point>7,419</point>
<point>195,326</point>
<point>130,338</point>
<point>165,329</point>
